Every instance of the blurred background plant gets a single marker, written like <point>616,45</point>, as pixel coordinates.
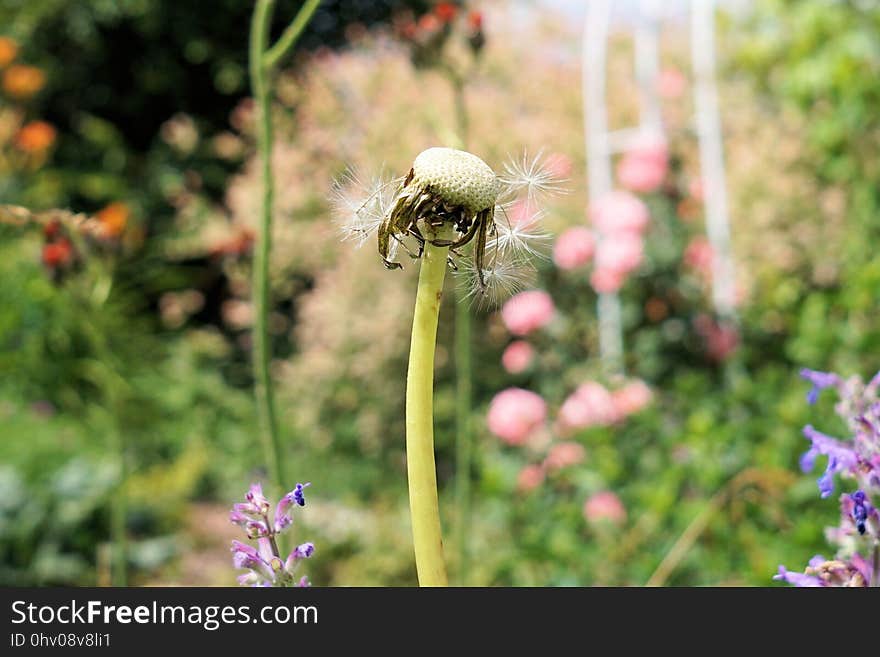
<point>138,114</point>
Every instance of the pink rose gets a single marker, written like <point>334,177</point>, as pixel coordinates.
<point>564,455</point>
<point>698,255</point>
<point>631,398</point>
<point>643,168</point>
<point>721,339</point>
<point>620,253</point>
<point>671,83</point>
<point>515,413</point>
<point>529,478</point>
<point>619,212</point>
<point>574,248</point>
<point>606,281</point>
<point>518,356</point>
<point>590,405</point>
<point>527,312</point>
<point>604,506</point>
<point>558,165</point>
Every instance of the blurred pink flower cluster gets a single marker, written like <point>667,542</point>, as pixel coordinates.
<point>620,220</point>
<point>592,404</point>
<point>644,167</point>
<point>527,312</point>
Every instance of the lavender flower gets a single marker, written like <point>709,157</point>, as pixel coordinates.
<point>820,381</point>
<point>857,458</point>
<point>264,564</point>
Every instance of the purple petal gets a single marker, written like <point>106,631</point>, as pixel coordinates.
<point>797,579</point>
<point>820,381</point>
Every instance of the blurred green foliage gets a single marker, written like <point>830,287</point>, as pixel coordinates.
<point>107,347</point>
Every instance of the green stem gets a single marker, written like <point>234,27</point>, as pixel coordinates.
<point>463,380</point>
<point>119,511</point>
<point>262,62</point>
<point>421,471</point>
<point>291,35</point>
<point>262,349</point>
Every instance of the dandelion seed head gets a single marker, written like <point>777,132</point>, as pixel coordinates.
<point>458,177</point>
<point>522,235</point>
<point>532,176</point>
<point>359,204</point>
<point>503,276</point>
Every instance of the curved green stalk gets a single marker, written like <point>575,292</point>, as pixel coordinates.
<point>262,62</point>
<point>421,471</point>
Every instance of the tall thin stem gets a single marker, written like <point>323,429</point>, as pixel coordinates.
<point>262,62</point>
<point>463,378</point>
<point>262,348</point>
<point>421,470</point>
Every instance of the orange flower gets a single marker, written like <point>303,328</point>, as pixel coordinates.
<point>113,219</point>
<point>446,11</point>
<point>8,51</point>
<point>58,254</point>
<point>35,137</point>
<point>22,81</point>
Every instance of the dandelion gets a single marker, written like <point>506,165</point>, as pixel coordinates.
<point>263,563</point>
<point>449,200</point>
<point>533,176</point>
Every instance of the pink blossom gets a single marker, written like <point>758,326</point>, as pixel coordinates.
<point>695,188</point>
<point>529,478</point>
<point>522,212</point>
<point>631,398</point>
<point>558,165</point>
<point>607,281</point>
<point>604,506</point>
<point>574,248</point>
<point>671,83</point>
<point>514,414</point>
<point>590,405</point>
<point>698,255</point>
<point>527,312</point>
<point>619,212</point>
<point>643,167</point>
<point>518,356</point>
<point>564,455</point>
<point>721,339</point>
<point>620,253</point>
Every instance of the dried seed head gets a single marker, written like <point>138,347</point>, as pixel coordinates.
<point>459,178</point>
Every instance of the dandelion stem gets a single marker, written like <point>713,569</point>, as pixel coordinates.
<point>262,62</point>
<point>421,470</point>
<point>463,377</point>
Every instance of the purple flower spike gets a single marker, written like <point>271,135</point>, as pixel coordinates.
<point>298,496</point>
<point>303,583</point>
<point>797,579</point>
<point>256,529</point>
<point>255,496</point>
<point>860,511</point>
<point>263,561</point>
<point>820,381</point>
<point>840,457</point>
